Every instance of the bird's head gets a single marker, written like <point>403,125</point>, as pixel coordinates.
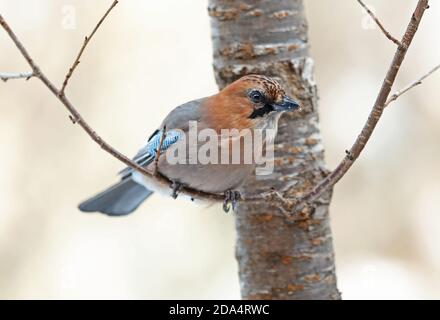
<point>252,101</point>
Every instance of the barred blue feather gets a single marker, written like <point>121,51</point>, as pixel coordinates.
<point>170,138</point>
<point>147,154</point>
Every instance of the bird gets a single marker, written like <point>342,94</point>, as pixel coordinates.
<point>252,102</point>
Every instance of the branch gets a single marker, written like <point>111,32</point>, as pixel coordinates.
<point>287,205</point>
<point>86,42</point>
<point>22,75</point>
<point>76,117</point>
<point>400,92</point>
<point>379,24</point>
<point>375,113</point>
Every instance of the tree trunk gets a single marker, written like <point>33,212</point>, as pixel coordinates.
<point>278,259</point>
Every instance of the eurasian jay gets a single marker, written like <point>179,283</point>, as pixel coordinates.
<point>252,102</point>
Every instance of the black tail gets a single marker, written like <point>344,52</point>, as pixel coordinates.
<point>118,200</point>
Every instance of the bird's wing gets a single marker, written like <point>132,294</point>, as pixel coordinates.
<point>176,124</point>
<point>148,152</point>
<point>180,117</point>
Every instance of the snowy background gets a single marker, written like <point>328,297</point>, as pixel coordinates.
<point>150,56</point>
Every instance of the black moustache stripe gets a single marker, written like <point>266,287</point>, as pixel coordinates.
<point>261,111</point>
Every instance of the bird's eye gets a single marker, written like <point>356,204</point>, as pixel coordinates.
<point>256,96</point>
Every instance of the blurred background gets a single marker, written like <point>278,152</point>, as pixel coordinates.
<point>150,56</point>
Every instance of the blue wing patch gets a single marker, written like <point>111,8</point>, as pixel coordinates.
<point>147,154</point>
<point>170,138</point>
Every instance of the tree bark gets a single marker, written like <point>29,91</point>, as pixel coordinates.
<point>278,258</point>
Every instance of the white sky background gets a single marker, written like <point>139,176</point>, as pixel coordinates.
<point>150,56</point>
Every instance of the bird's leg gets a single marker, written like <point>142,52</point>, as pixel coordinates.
<point>231,197</point>
<point>176,187</point>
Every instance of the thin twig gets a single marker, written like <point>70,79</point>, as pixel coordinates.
<point>22,75</point>
<point>77,118</point>
<point>288,205</point>
<point>375,114</point>
<point>86,42</point>
<point>379,24</point>
<point>419,81</point>
<point>157,156</point>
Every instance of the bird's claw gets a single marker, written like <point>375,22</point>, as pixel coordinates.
<point>231,199</point>
<point>176,187</point>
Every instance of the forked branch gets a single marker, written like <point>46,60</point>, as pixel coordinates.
<point>76,117</point>
<point>287,205</point>
<point>376,111</point>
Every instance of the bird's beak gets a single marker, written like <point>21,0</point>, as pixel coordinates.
<point>287,104</point>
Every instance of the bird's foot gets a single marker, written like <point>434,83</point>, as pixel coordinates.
<point>176,187</point>
<point>231,199</point>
